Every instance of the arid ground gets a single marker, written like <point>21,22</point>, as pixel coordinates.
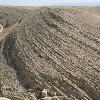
<point>55,48</point>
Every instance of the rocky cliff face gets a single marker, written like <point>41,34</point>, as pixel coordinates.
<point>55,49</point>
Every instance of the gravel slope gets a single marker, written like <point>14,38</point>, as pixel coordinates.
<point>56,49</point>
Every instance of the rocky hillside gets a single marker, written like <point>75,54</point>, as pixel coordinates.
<point>52,48</point>
<point>9,15</point>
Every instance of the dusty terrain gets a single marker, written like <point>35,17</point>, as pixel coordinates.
<point>49,48</point>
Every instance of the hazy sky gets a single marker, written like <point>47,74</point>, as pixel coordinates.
<point>42,2</point>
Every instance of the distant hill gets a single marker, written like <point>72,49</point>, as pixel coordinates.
<point>79,4</point>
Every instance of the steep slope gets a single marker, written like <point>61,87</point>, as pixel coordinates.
<point>53,49</point>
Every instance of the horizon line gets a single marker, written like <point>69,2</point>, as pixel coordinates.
<point>59,4</point>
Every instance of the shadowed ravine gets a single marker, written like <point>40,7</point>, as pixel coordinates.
<point>56,49</point>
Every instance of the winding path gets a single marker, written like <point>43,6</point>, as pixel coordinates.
<point>1,28</point>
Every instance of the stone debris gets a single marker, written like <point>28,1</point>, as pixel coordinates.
<point>44,93</point>
<point>49,48</point>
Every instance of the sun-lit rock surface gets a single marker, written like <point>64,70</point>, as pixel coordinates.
<point>2,98</point>
<point>1,28</point>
